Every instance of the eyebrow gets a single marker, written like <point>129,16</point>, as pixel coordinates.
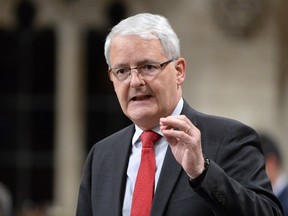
<point>138,63</point>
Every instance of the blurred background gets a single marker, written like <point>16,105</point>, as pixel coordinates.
<point>56,100</point>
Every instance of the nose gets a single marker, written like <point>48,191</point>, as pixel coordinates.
<point>136,79</point>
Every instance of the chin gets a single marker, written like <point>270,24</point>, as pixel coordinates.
<point>142,116</point>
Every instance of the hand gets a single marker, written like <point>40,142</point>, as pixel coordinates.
<point>185,142</point>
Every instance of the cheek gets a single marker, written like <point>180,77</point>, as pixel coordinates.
<point>170,88</point>
<point>163,96</point>
<point>121,94</point>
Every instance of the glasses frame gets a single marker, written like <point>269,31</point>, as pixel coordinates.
<point>161,67</point>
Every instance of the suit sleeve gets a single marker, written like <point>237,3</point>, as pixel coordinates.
<point>236,182</point>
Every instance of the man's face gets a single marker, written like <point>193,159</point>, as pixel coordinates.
<point>145,100</point>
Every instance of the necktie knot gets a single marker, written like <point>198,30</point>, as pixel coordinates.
<point>149,138</point>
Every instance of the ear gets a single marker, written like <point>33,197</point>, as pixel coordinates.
<point>180,66</point>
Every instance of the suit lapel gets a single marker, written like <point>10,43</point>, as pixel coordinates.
<point>170,172</point>
<point>168,178</point>
<point>121,158</point>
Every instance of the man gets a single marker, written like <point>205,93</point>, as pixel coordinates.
<point>205,165</point>
<point>274,169</point>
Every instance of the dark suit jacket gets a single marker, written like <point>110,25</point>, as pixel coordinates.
<point>235,182</point>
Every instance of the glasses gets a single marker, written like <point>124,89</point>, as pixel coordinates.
<point>146,70</point>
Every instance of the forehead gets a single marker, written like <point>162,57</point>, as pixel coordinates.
<point>134,48</point>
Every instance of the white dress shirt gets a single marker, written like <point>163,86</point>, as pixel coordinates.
<point>160,148</point>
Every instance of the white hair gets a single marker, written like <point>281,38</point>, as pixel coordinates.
<point>146,26</point>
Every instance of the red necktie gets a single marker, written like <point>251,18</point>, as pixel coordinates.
<point>144,186</point>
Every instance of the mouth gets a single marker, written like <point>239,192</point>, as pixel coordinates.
<point>140,97</point>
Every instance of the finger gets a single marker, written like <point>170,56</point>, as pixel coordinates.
<point>181,123</point>
<point>173,136</point>
<point>187,129</point>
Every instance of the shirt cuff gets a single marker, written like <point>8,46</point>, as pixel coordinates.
<point>195,182</point>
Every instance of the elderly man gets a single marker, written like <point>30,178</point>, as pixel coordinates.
<point>173,160</point>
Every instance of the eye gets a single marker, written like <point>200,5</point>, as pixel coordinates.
<point>121,71</point>
<point>149,67</point>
